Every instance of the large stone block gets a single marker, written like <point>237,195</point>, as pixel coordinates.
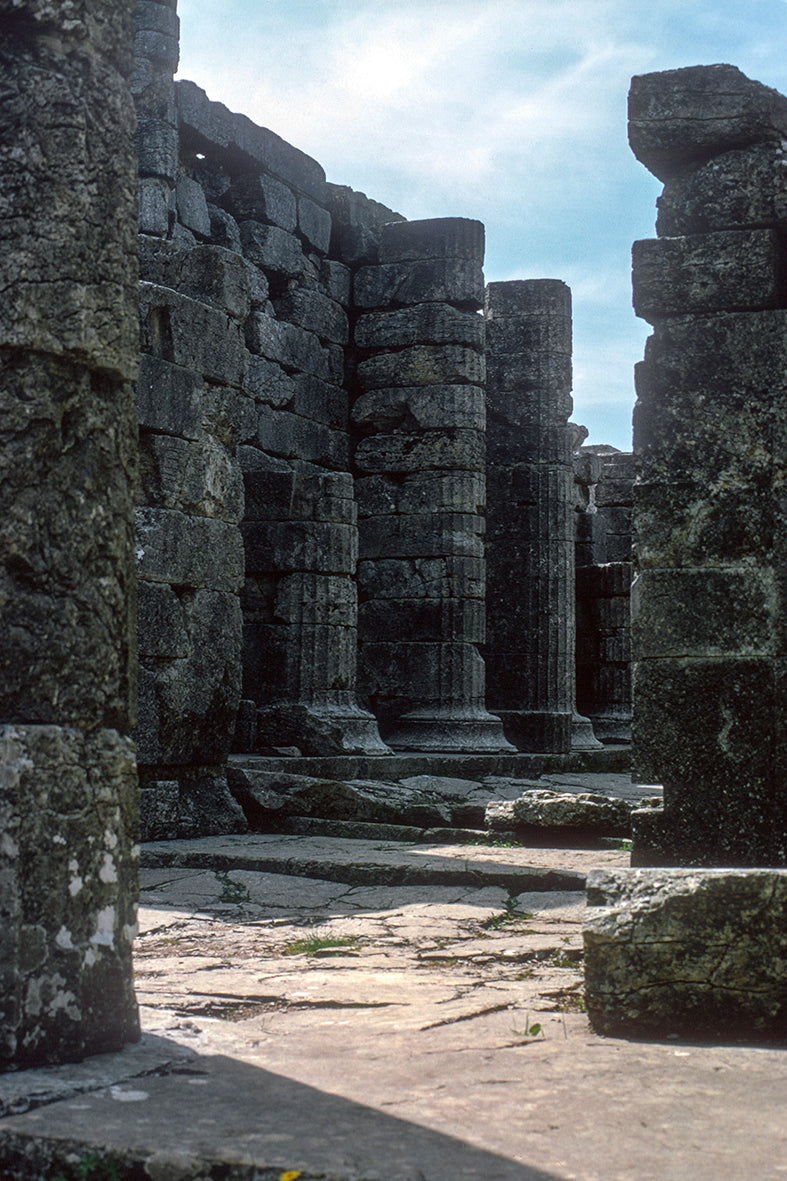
<point>314,225</point>
<point>421,535</point>
<point>432,323</point>
<point>432,450</point>
<point>201,479</point>
<point>188,551</point>
<point>423,365</point>
<point>192,334</point>
<point>683,117</point>
<point>221,277</point>
<point>278,254</point>
<point>451,280</point>
<point>66,577</point>
<point>316,313</point>
<point>728,270</point>
<point>742,188</point>
<point>257,197</point>
<point>420,492</point>
<point>286,344</point>
<point>191,206</point>
<point>208,126</point>
<point>68,892</point>
<point>429,407</point>
<point>439,237</point>
<point>687,952</point>
<point>188,705</point>
<point>304,546</point>
<point>423,619</point>
<point>169,398</point>
<point>434,578</point>
<point>691,523</point>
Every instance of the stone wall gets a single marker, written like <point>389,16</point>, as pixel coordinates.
<point>69,354</point>
<point>709,528</point>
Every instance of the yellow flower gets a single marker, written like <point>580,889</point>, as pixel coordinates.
<point>290,1175</point>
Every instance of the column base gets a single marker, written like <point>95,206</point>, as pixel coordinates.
<point>447,730</point>
<point>612,727</point>
<point>319,730</point>
<point>582,736</point>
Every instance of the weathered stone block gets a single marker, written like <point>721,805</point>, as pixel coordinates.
<point>269,485</point>
<point>541,373</point>
<point>314,225</point>
<point>442,675</point>
<point>678,952</point>
<point>739,189</point>
<point>710,612</point>
<point>198,478</point>
<point>154,206</point>
<point>432,450</point>
<point>215,275</point>
<point>68,892</point>
<point>430,407</point>
<point>261,198</point>
<point>540,332</point>
<point>447,577</point>
<point>287,344</point>
<point>161,628</point>
<point>421,492</point>
<point>336,281</point>
<point>300,546</point>
<point>192,207</point>
<point>421,535</point>
<point>168,398</point>
<point>577,813</point>
<point>458,281</point>
<point>192,334</point>
<point>198,803</point>
<point>157,148</point>
<point>159,47</point>
<point>439,237</point>
<point>424,619</point>
<point>319,401</point>
<point>324,599</point>
<point>433,323</point>
<point>267,382</point>
<point>208,126</point>
<point>188,551</point>
<point>724,271</point>
<point>276,252</point>
<point>423,365</point>
<point>693,524</point>
<point>316,313</point>
<point>686,116</point>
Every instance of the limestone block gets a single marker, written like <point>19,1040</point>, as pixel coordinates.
<point>433,323</point>
<point>440,280</point>
<point>157,148</point>
<point>421,535</point>
<point>710,612</point>
<point>269,485</point>
<point>198,478</point>
<point>728,270</point>
<point>614,492</point>
<point>276,252</point>
<point>431,450</point>
<point>687,952</point>
<point>159,47</point>
<point>156,17</point>
<point>198,803</point>
<point>278,547</point>
<point>161,627</point>
<point>420,492</point>
<point>267,382</point>
<point>286,344</point>
<point>439,237</point>
<point>68,893</point>
<point>441,675</point>
<point>228,415</point>
<point>422,365</point>
<point>314,225</point>
<point>325,599</point>
<point>447,577</point>
<point>336,281</point>
<point>188,551</point>
<point>690,523</point>
<point>224,230</point>
<point>541,808</point>
<point>192,334</point>
<point>686,116</point>
<point>319,401</point>
<point>429,407</point>
<point>154,206</point>
<point>257,197</point>
<point>521,373</point>
<point>168,398</point>
<point>215,275</point>
<point>210,125</point>
<point>192,207</point>
<point>537,332</point>
<point>424,619</point>
<point>291,436</point>
<point>316,313</point>
<point>741,188</point>
<point>549,444</point>
<point>194,699</point>
<point>66,576</point>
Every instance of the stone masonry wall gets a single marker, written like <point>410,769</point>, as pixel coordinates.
<point>709,438</point>
<point>69,355</point>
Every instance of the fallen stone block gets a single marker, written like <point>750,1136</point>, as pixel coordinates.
<point>541,808</point>
<point>700,953</point>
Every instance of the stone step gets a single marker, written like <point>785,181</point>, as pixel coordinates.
<point>363,862</point>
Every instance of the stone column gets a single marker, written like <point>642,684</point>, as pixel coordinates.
<point>69,341</point>
<point>420,486</point>
<point>530,542</point>
<point>708,609</point>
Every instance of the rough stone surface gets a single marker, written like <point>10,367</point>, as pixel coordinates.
<point>542,808</point>
<point>687,952</point>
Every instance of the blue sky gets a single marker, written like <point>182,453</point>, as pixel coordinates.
<point>510,111</point>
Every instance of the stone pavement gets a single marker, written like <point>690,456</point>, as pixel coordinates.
<point>379,1011</point>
